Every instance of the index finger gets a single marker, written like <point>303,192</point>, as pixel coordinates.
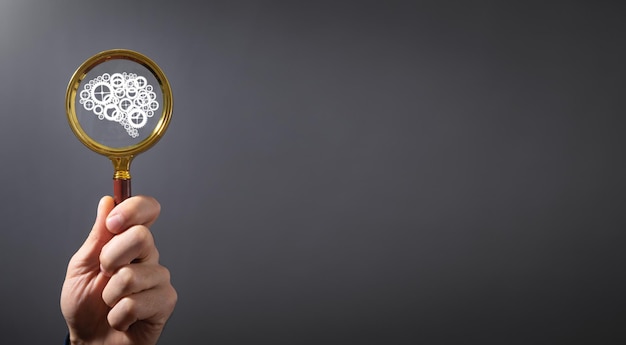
<point>136,245</point>
<point>136,210</point>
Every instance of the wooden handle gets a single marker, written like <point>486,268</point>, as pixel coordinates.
<point>121,190</point>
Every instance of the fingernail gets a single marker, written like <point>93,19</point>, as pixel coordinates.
<point>114,222</point>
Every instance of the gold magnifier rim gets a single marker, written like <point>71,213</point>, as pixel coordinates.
<point>81,73</point>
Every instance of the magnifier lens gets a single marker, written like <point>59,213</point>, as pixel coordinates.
<point>119,103</point>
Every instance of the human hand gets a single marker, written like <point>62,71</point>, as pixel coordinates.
<point>115,290</point>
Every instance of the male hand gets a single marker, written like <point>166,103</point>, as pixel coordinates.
<point>115,291</point>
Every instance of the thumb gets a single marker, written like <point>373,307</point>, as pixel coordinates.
<point>99,235</point>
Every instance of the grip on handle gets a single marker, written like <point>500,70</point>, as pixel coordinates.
<point>121,190</point>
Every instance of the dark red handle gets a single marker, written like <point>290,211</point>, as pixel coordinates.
<point>121,190</point>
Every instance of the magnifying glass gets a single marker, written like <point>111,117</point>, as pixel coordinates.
<point>119,104</point>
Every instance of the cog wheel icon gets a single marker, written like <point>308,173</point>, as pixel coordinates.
<point>137,118</point>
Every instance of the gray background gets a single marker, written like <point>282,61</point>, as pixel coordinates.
<point>337,172</point>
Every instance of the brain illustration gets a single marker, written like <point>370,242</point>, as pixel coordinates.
<point>125,98</point>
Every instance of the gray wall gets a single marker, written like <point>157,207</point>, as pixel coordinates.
<point>337,173</point>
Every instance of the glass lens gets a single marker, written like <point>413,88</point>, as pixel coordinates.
<point>119,103</point>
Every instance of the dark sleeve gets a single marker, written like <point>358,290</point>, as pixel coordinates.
<point>67,340</point>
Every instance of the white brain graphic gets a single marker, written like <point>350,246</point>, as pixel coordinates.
<point>125,98</point>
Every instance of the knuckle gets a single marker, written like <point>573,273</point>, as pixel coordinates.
<point>167,276</point>
<point>125,278</point>
<point>128,307</point>
<point>156,253</point>
<point>142,235</point>
<point>157,206</point>
<point>123,314</point>
<point>172,298</point>
<point>148,202</point>
<point>106,261</point>
<point>108,297</point>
